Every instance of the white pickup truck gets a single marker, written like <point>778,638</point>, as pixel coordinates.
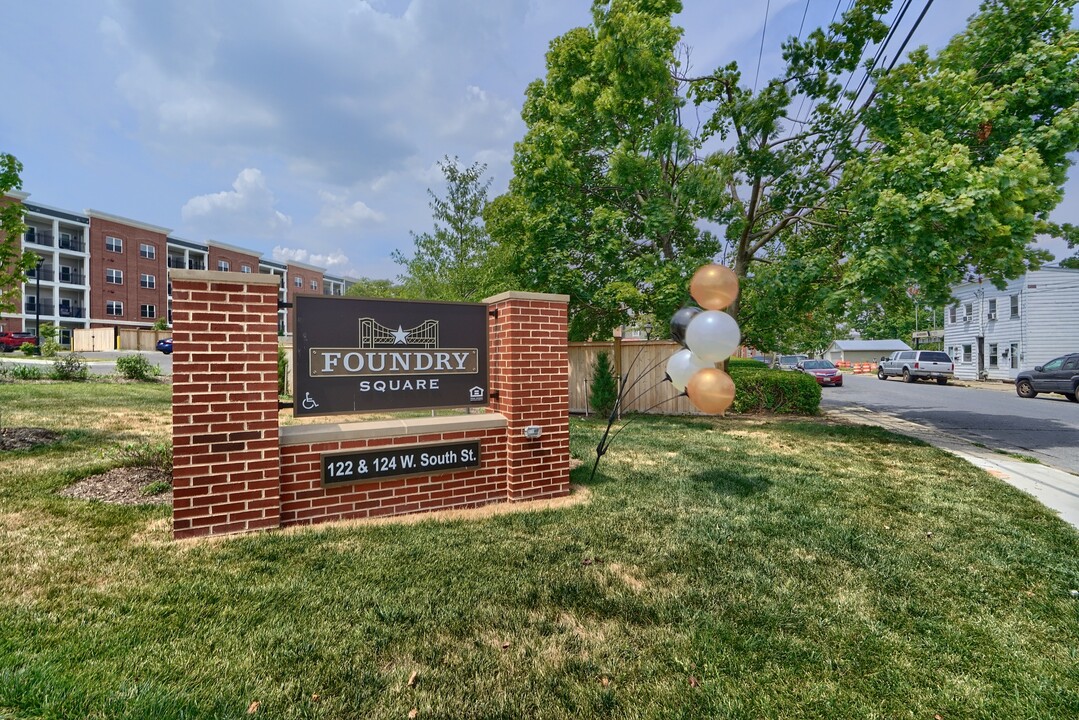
<point>914,365</point>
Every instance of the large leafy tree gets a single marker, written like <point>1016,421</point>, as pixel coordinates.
<point>608,186</point>
<point>968,155</point>
<point>14,262</point>
<point>458,260</point>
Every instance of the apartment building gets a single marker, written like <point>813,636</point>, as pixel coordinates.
<point>102,270</point>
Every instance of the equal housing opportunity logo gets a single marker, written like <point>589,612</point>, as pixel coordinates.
<point>359,354</point>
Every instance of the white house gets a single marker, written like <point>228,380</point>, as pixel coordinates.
<point>993,334</point>
<point>859,351</point>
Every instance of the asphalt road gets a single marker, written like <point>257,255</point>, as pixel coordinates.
<point>1046,427</point>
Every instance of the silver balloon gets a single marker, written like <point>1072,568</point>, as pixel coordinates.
<point>713,335</point>
<point>682,366</point>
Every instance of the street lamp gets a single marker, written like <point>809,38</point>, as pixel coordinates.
<point>37,303</point>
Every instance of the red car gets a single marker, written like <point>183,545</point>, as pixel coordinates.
<point>823,371</point>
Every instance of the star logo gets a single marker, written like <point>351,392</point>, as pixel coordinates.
<point>399,336</point>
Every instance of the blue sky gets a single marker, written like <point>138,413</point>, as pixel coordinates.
<point>311,131</point>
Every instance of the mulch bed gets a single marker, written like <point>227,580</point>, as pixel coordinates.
<point>122,486</point>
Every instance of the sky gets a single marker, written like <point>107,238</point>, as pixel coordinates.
<point>312,131</point>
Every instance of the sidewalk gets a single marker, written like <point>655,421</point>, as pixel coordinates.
<point>1056,489</point>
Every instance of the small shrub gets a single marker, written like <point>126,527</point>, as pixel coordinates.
<point>26,372</point>
<point>760,389</point>
<point>156,487</point>
<point>5,373</point>
<point>282,371</point>
<point>48,331</point>
<point>603,395</point>
<point>136,367</point>
<point>155,455</point>
<point>50,348</point>
<point>28,348</point>
<point>70,367</point>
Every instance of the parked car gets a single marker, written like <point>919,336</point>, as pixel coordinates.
<point>823,371</point>
<point>165,345</point>
<point>1059,375</point>
<point>914,365</point>
<point>12,341</point>
<point>789,362</point>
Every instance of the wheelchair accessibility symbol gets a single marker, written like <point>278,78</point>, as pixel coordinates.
<point>308,402</point>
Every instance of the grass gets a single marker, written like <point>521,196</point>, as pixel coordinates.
<point>729,568</point>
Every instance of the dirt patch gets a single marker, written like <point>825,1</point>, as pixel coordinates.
<point>22,438</point>
<point>122,486</point>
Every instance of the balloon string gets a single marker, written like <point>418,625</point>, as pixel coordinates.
<point>607,439</point>
<point>643,412</point>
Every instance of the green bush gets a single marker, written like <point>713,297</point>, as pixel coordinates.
<point>603,393</point>
<point>69,367</point>
<point>26,372</point>
<point>50,348</point>
<point>136,367</point>
<point>28,348</point>
<point>282,371</point>
<point>760,389</point>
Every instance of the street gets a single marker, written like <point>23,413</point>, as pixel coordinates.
<point>1046,427</point>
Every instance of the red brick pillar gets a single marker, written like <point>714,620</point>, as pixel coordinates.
<point>226,459</point>
<point>529,371</point>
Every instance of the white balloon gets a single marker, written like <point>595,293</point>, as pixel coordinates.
<point>713,335</point>
<point>682,366</point>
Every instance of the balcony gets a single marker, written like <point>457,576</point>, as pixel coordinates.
<point>72,243</point>
<point>45,274</point>
<point>39,238</point>
<point>32,308</point>
<point>178,263</point>
<point>72,278</point>
<point>72,312</point>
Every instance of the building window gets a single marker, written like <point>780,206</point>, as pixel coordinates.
<point>992,355</point>
<point>1013,359</point>
<point>148,311</point>
<point>147,251</point>
<point>968,311</point>
<point>114,276</point>
<point>245,268</point>
<point>966,353</point>
<point>223,265</point>
<point>298,281</point>
<point>1014,305</point>
<point>115,308</point>
<point>314,285</point>
<point>993,309</point>
<point>951,313</point>
<point>147,281</point>
<point>114,244</point>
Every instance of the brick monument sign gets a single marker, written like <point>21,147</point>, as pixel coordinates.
<point>236,469</point>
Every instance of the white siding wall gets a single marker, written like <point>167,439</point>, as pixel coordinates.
<point>1047,326</point>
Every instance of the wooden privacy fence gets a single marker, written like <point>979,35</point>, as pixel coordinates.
<point>645,363</point>
<point>101,339</point>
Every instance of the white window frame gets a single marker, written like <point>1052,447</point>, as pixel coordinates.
<point>147,281</point>
<point>314,285</point>
<point>297,281</point>
<point>114,276</point>
<point>223,265</point>
<point>114,244</point>
<point>1013,305</point>
<point>148,251</point>
<point>114,308</point>
<point>245,268</point>
<point>148,312</point>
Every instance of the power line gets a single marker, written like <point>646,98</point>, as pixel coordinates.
<point>760,53</point>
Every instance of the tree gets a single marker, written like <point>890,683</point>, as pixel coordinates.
<point>14,262</point>
<point>607,188</point>
<point>603,390</point>
<point>458,261</point>
<point>377,288</point>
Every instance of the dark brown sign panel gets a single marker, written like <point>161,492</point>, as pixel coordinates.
<point>361,355</point>
<point>354,467</point>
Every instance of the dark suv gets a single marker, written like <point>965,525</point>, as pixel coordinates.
<point>1059,375</point>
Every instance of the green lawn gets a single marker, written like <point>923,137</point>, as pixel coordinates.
<point>739,568</point>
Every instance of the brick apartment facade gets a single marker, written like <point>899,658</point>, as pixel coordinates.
<point>102,270</point>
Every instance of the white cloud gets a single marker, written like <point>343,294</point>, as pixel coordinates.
<point>249,206</point>
<point>330,261</point>
<point>338,213</point>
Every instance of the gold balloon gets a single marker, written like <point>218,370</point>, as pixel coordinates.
<point>711,391</point>
<point>714,287</point>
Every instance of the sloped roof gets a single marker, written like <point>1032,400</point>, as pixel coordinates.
<point>875,345</point>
